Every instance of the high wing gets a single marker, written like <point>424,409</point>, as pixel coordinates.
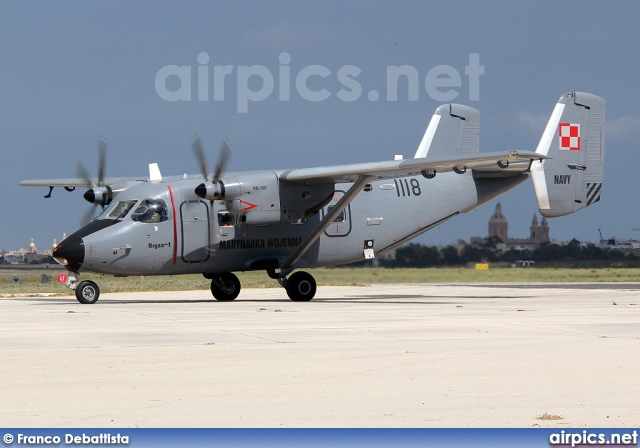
<point>73,182</point>
<point>99,193</point>
<point>486,162</point>
<point>362,173</point>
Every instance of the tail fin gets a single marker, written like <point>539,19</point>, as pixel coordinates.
<point>574,139</point>
<point>453,130</point>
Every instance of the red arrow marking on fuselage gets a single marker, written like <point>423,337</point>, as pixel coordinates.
<point>249,205</point>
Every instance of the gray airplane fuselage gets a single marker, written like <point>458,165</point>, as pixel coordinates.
<point>193,239</point>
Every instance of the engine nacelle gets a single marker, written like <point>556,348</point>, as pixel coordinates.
<point>106,194</point>
<point>99,195</point>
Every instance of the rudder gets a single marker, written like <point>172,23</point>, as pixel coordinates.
<point>574,139</point>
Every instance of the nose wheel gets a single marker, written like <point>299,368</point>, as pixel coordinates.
<point>87,292</point>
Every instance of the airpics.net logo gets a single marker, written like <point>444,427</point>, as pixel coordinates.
<point>256,83</point>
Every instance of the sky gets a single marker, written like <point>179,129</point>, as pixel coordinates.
<point>75,71</point>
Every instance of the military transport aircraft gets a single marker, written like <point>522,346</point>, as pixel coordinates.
<point>282,220</point>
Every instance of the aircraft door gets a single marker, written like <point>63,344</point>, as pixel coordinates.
<point>341,226</point>
<point>196,235</point>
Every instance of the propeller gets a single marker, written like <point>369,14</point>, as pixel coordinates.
<point>223,158</point>
<point>82,172</point>
<point>198,150</point>
<point>212,188</point>
<point>98,194</point>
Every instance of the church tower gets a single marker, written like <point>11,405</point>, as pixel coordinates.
<point>544,231</point>
<point>534,230</point>
<point>498,225</point>
<point>539,233</point>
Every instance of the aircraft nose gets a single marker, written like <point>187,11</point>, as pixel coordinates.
<point>70,253</point>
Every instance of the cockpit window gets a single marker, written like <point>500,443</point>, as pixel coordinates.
<point>150,211</point>
<point>118,210</point>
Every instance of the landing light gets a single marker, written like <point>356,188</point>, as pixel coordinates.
<point>62,261</point>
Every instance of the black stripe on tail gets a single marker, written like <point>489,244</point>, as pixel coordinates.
<point>593,193</point>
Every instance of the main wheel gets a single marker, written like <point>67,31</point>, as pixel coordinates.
<point>301,287</point>
<point>225,286</point>
<point>87,292</point>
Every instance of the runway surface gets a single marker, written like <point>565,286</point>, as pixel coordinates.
<point>373,356</point>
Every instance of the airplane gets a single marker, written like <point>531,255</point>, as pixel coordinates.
<point>283,220</point>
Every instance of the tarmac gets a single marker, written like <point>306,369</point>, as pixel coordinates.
<point>375,356</point>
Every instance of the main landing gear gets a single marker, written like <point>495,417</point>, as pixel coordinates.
<point>300,286</point>
<point>225,286</point>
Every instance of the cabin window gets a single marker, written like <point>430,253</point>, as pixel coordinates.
<point>368,187</point>
<point>150,211</point>
<point>342,217</point>
<point>226,219</point>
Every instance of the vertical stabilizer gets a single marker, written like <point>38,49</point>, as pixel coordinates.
<point>574,139</point>
<point>453,130</point>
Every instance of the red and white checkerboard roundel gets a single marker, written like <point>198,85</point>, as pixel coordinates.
<point>569,136</point>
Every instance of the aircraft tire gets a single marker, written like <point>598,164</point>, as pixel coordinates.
<point>301,287</point>
<point>225,287</point>
<point>87,292</point>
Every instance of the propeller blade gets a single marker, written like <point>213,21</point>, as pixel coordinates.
<point>198,150</point>
<point>102,156</point>
<point>82,173</point>
<point>226,150</point>
<point>94,190</point>
<point>88,216</point>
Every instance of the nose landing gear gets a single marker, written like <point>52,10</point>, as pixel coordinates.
<point>87,292</point>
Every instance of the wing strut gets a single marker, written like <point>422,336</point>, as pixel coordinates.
<point>325,222</point>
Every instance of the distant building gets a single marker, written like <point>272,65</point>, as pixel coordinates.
<point>499,227</point>
<point>30,255</point>
<point>498,224</point>
<point>627,244</point>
